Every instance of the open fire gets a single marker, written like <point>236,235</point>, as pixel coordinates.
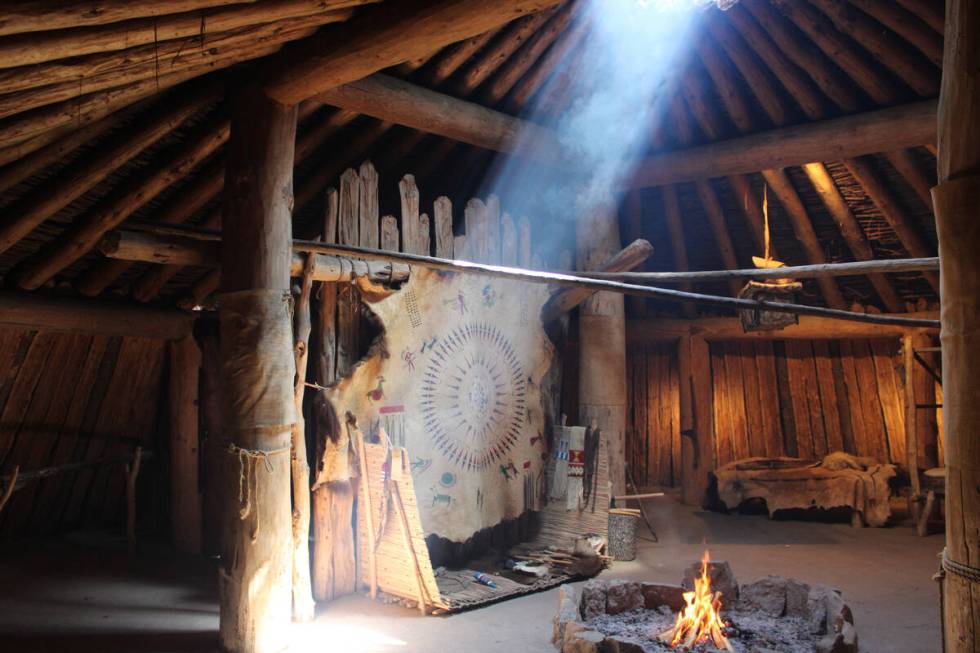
<point>700,621</point>
<point>772,613</point>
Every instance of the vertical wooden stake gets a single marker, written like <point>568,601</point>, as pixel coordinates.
<point>303,606</point>
<point>132,471</point>
<point>185,496</point>
<point>911,429</point>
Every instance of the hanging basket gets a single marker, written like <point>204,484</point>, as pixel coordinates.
<point>759,319</point>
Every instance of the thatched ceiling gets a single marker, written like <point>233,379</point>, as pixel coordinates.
<point>104,121</point>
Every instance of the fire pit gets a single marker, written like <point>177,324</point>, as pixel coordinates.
<point>709,612</point>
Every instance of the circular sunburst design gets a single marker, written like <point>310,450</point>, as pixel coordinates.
<point>473,395</point>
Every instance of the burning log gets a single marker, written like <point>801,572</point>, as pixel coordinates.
<point>700,621</point>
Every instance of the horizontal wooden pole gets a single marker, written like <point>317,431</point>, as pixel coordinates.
<point>793,272</point>
<point>46,313</point>
<point>571,280</point>
<point>901,127</point>
<point>179,250</point>
<point>391,99</point>
<point>566,299</point>
<point>403,103</point>
<point>32,49</point>
<point>646,330</point>
<point>23,478</point>
<point>58,14</point>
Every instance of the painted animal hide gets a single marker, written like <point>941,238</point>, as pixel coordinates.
<point>455,379</point>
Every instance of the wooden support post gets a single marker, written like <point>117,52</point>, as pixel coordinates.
<point>927,435</point>
<point>257,373</point>
<point>697,427</point>
<point>220,480</point>
<point>911,429</point>
<point>334,571</point>
<point>185,496</point>
<point>956,199</point>
<point>303,607</point>
<point>132,470</point>
<point>602,341</point>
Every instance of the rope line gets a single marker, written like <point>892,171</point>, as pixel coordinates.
<point>971,574</point>
<point>248,482</point>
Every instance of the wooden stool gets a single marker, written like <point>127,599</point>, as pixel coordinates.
<point>934,482</point>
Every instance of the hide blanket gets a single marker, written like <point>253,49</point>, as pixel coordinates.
<point>840,480</point>
<point>455,379</point>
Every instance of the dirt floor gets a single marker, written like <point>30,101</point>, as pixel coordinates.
<point>84,593</point>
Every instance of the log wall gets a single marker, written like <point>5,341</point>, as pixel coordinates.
<point>801,398</point>
<point>68,398</point>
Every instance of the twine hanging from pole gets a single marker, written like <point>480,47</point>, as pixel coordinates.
<point>248,480</point>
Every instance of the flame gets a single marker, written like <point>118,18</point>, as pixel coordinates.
<point>700,621</point>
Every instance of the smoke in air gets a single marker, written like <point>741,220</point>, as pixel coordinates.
<point>602,102</point>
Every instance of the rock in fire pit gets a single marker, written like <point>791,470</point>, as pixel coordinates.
<point>771,615</point>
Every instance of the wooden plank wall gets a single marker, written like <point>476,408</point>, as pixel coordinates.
<point>806,398</point>
<point>653,438</point>
<point>801,398</point>
<point>67,398</point>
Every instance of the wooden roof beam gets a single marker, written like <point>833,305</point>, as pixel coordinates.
<point>23,216</point>
<point>44,15</point>
<point>706,192</point>
<point>838,49</point>
<point>784,190</point>
<point>931,12</point>
<point>394,100</point>
<point>527,56</point>
<point>825,75</point>
<point>542,70</point>
<point>914,70</point>
<point>205,188</point>
<point>32,49</point>
<point>896,216</point>
<point>828,192</point>
<point>43,84</point>
<point>499,51</point>
<point>828,140</point>
<point>386,36</point>
<point>711,123</point>
<point>34,162</point>
<point>85,233</point>
<point>906,24</point>
<point>851,230</point>
<point>30,311</point>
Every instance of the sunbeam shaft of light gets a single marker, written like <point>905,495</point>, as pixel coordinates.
<point>610,90</point>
